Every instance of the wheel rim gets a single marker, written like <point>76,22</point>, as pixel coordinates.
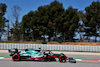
<point>62,58</point>
<point>16,57</point>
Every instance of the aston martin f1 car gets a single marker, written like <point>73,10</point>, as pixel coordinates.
<point>34,54</point>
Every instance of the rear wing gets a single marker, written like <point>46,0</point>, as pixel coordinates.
<point>13,51</point>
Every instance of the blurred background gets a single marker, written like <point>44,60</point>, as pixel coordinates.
<point>50,21</point>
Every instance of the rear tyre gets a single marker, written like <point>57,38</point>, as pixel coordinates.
<point>62,58</point>
<point>16,57</point>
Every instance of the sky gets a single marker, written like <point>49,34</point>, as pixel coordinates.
<point>32,5</point>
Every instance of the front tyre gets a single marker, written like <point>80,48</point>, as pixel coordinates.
<point>16,57</point>
<point>62,58</point>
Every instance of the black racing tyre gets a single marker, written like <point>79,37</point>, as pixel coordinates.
<point>62,58</point>
<point>16,57</point>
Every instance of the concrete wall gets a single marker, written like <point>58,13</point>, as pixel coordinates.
<point>51,47</point>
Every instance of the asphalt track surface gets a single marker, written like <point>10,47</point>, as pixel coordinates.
<point>10,63</point>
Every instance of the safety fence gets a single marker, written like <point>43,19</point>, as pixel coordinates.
<point>50,47</point>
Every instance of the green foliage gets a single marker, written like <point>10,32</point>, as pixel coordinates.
<point>69,23</point>
<point>92,20</point>
<point>2,8</point>
<point>50,20</point>
<point>2,18</point>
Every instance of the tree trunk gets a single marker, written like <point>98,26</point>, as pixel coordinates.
<point>55,35</point>
<point>49,39</point>
<point>64,37</point>
<point>22,37</point>
<point>80,37</point>
<point>95,38</point>
<point>44,36</point>
<point>0,38</point>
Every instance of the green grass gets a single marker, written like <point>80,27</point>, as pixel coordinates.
<point>86,59</point>
<point>5,56</point>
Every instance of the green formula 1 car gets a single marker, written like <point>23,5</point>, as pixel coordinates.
<point>34,54</point>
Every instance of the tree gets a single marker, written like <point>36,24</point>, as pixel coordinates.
<point>50,20</point>
<point>69,23</point>
<point>36,22</point>
<point>92,20</point>
<point>29,26</point>
<point>44,20</point>
<point>55,11</point>
<point>2,18</point>
<point>80,29</point>
<point>15,15</point>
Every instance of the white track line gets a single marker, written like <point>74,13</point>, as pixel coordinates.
<point>1,57</point>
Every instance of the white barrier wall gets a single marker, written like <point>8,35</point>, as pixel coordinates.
<point>51,47</point>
